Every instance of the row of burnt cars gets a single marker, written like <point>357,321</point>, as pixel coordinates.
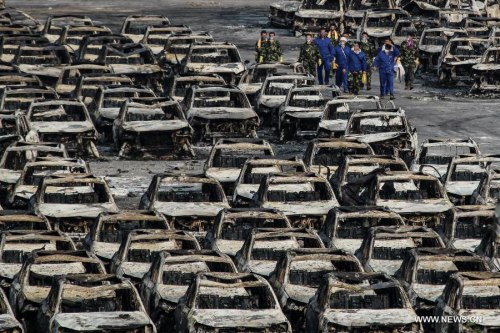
<point>341,240</point>
<point>458,39</point>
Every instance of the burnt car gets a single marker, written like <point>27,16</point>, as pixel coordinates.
<point>16,244</point>
<point>9,323</point>
<point>14,99</point>
<point>107,233</point>
<point>18,154</point>
<point>273,93</point>
<point>473,295</point>
<point>411,24</point>
<point>107,102</point>
<point>14,127</point>
<point>152,130</point>
<point>252,80</point>
<point>135,26</point>
<point>435,154</point>
<point>90,46</point>
<point>136,253</point>
<point>214,58</point>
<point>177,46</point>
<point>380,23</point>
<point>486,73</point>
<point>228,156</point>
<point>10,44</point>
<point>72,36</point>
<point>230,301</point>
<point>346,227</point>
<point>88,85</point>
<point>467,226</point>
<point>488,190</point>
<point>338,111</point>
<point>299,273</point>
<point>489,248</point>
<point>312,15</point>
<point>419,198</point>
<point>34,172</point>
<point>67,82</point>
<point>281,13</point>
<point>263,248</point>
<point>54,25</point>
<point>431,44</point>
<point>304,198</point>
<point>169,278</point>
<point>93,303</point>
<point>189,203</point>
<point>360,302</point>
<point>301,113</point>
<point>458,57</point>
<point>14,220</point>
<point>346,181</point>
<point>156,37</point>
<point>424,273</point>
<point>233,226</point>
<point>19,79</point>
<point>256,168</point>
<point>464,175</point>
<point>323,156</point>
<point>45,61</point>
<point>356,9</point>
<point>220,111</point>
<point>387,131</point>
<point>72,203</point>
<point>179,85</point>
<point>64,121</point>
<point>385,247</point>
<point>39,270</point>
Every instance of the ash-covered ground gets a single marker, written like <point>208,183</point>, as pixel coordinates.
<point>435,112</point>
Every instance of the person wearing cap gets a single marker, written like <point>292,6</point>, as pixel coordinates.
<point>409,55</point>
<point>309,55</point>
<point>272,50</point>
<point>260,47</point>
<point>357,67</point>
<point>325,48</point>
<point>341,57</point>
<point>370,52</point>
<point>385,61</point>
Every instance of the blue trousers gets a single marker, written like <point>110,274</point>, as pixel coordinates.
<point>386,83</point>
<point>341,78</point>
<point>324,71</point>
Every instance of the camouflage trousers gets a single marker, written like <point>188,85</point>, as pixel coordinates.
<point>355,82</point>
<point>310,67</point>
<point>369,77</point>
<point>409,75</point>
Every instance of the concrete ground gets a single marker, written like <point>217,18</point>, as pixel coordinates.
<point>433,111</point>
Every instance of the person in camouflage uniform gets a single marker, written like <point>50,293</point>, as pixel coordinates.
<point>356,64</point>
<point>409,54</point>
<point>333,34</point>
<point>309,55</point>
<point>272,50</point>
<point>370,52</point>
<point>260,46</point>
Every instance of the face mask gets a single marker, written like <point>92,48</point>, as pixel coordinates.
<point>309,40</point>
<point>271,38</point>
<point>365,39</point>
<point>342,43</point>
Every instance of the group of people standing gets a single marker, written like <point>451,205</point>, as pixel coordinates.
<point>351,63</point>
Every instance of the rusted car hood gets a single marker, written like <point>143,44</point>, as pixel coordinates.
<point>110,113</point>
<point>490,318</point>
<point>368,317</point>
<point>105,250</point>
<point>386,266</point>
<point>377,137</point>
<point>301,294</point>
<point>229,247</point>
<point>171,293</point>
<point>347,244</point>
<point>62,127</point>
<point>303,208</point>
<point>223,175</point>
<point>463,63</point>
<point>75,210</point>
<point>333,125</point>
<point>25,191</point>
<point>134,69</point>
<point>246,191</point>
<point>486,67</point>
<point>94,321</point>
<point>271,101</point>
<point>461,188</point>
<point>135,269</point>
<point>466,244</point>
<point>220,113</point>
<point>291,6</point>
<point>8,322</point>
<point>321,14</point>
<point>302,113</point>
<point>155,125</point>
<point>428,292</point>
<point>379,32</point>
<point>262,267</point>
<point>190,208</point>
<point>9,176</point>
<point>9,270</point>
<point>250,88</point>
<point>416,206</point>
<point>238,318</point>
<point>235,68</point>
<point>41,70</point>
<point>431,48</point>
